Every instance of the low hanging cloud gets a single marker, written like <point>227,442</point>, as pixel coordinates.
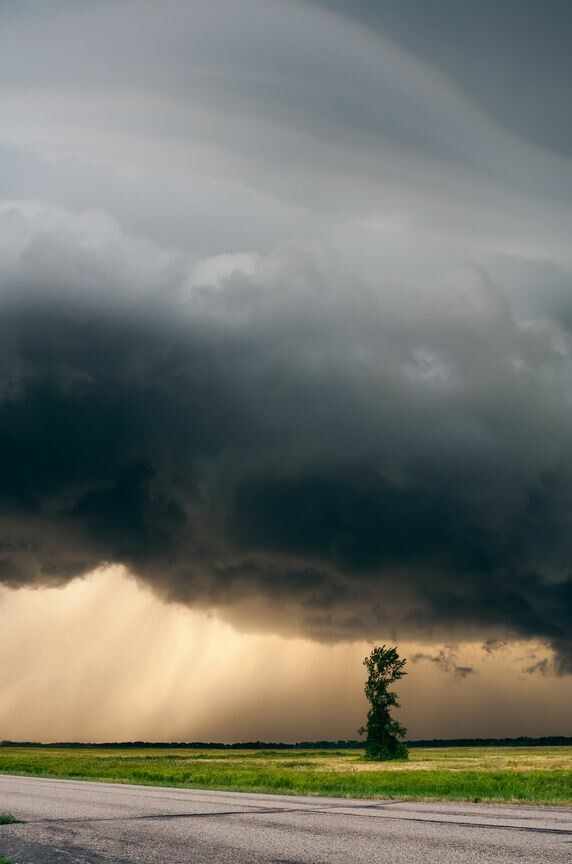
<point>492,646</point>
<point>446,661</point>
<point>283,439</point>
<point>541,667</point>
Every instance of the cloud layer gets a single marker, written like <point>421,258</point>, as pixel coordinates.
<point>285,320</point>
<point>278,438</point>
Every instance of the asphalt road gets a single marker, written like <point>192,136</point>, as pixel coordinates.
<point>90,823</point>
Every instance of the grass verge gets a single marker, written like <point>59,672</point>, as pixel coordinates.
<point>7,819</point>
<point>532,775</point>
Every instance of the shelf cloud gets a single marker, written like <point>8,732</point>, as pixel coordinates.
<point>352,457</point>
<point>286,320</point>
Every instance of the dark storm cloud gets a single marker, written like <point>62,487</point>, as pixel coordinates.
<point>303,440</point>
<point>282,439</point>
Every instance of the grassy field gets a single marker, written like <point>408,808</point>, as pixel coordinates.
<point>535,774</point>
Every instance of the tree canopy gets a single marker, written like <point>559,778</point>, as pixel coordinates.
<point>384,735</point>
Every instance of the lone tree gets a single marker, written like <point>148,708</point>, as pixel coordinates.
<point>384,734</point>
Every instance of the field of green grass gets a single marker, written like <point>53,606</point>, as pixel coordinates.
<point>526,774</point>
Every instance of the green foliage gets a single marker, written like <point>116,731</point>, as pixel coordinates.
<point>7,819</point>
<point>384,735</point>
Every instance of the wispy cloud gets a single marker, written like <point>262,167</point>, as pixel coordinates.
<point>446,661</point>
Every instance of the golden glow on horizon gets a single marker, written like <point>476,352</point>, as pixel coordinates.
<point>104,659</point>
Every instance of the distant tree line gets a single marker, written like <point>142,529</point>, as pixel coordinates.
<point>522,741</point>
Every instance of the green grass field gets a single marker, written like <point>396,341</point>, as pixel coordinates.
<point>535,774</point>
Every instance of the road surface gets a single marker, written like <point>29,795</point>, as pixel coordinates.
<point>76,822</point>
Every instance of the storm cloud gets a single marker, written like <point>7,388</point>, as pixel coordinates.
<point>285,322</point>
<point>357,459</point>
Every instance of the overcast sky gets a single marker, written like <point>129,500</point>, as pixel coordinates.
<point>286,326</point>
